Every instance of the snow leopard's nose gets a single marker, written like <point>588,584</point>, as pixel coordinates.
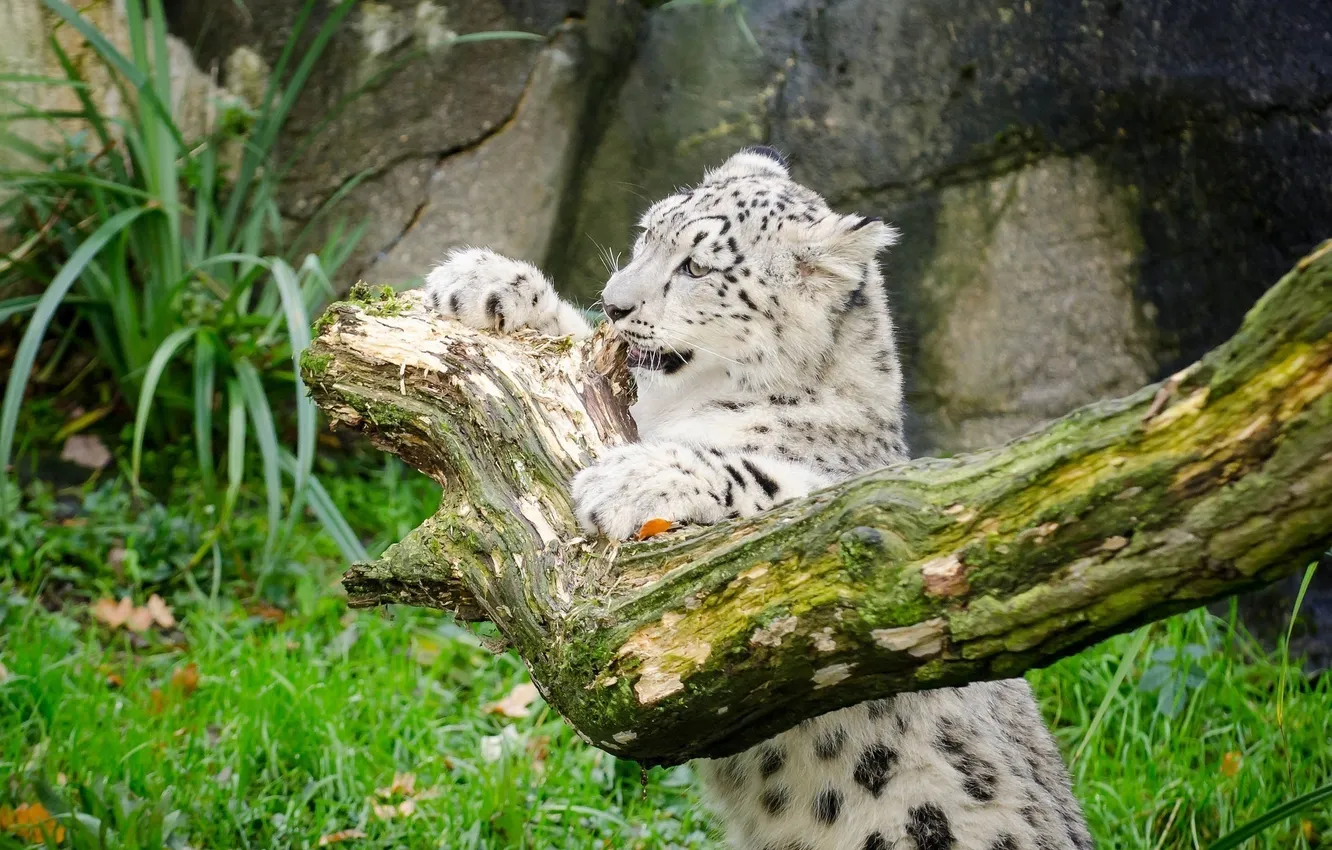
<point>615,313</point>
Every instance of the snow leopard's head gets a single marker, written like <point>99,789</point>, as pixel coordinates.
<point>749,272</point>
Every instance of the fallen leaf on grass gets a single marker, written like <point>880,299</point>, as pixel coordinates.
<point>1230,764</point>
<point>538,749</point>
<point>136,618</point>
<point>161,613</point>
<point>32,823</point>
<point>113,679</point>
<point>403,783</point>
<point>493,746</point>
<point>140,620</point>
<point>86,450</point>
<point>517,704</point>
<point>340,836</point>
<point>267,612</point>
<point>114,614</point>
<point>652,528</point>
<point>156,702</point>
<point>388,811</point>
<point>186,679</point>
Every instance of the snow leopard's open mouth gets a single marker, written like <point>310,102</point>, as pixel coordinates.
<point>669,362</point>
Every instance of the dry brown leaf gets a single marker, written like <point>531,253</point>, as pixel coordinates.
<point>86,450</point>
<point>264,611</point>
<point>388,811</point>
<point>115,557</point>
<point>1230,764</point>
<point>140,620</point>
<point>113,613</point>
<point>538,748</point>
<point>113,679</point>
<point>652,528</point>
<point>160,612</point>
<point>517,704</point>
<point>340,836</point>
<point>31,822</point>
<point>186,679</point>
<point>403,783</point>
<point>156,702</point>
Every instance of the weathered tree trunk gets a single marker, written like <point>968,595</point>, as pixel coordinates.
<point>701,642</point>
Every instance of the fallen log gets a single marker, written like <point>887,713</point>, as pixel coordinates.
<point>704,641</point>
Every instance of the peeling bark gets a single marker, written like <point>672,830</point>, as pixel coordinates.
<point>702,642</point>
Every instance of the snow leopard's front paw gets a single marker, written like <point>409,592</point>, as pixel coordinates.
<point>484,290</point>
<point>639,482</point>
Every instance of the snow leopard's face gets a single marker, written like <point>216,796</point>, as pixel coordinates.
<point>742,273</point>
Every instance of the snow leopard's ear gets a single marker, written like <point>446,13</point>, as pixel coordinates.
<point>838,247</point>
<point>757,161</point>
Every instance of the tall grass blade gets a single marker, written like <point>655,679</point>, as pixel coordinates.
<point>91,113</point>
<point>235,447</point>
<point>205,381</point>
<point>1285,646</point>
<point>321,504</point>
<point>36,330</point>
<point>274,110</point>
<point>14,306</point>
<point>1125,664</point>
<point>113,57</point>
<point>1271,818</point>
<point>298,332</point>
<point>265,433</point>
<point>496,35</point>
<point>161,359</point>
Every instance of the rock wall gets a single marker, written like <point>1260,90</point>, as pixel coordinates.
<point>437,143</point>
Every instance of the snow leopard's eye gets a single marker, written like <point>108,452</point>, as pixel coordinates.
<point>693,269</point>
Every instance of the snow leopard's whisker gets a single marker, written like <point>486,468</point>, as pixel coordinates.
<point>689,344</point>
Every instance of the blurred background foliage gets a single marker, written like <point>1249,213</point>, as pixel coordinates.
<point>1092,194</point>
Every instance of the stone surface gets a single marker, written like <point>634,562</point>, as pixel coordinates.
<point>393,101</point>
<point>1213,114</point>
<point>1025,308</point>
<point>697,90</point>
<point>505,191</point>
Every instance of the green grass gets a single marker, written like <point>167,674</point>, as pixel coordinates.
<point>295,724</point>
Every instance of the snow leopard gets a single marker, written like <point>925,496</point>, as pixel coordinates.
<point>759,335</point>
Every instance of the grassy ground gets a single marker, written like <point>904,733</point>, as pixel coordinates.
<point>271,716</point>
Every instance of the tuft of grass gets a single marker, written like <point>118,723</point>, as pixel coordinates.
<point>303,711</point>
<point>1184,771</point>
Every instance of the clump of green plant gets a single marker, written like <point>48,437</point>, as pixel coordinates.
<point>179,268</point>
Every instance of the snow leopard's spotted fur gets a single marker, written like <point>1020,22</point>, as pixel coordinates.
<point>763,351</point>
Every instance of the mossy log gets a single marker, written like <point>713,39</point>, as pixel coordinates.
<point>700,642</point>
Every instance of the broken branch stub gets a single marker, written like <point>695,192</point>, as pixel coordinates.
<point>932,573</point>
